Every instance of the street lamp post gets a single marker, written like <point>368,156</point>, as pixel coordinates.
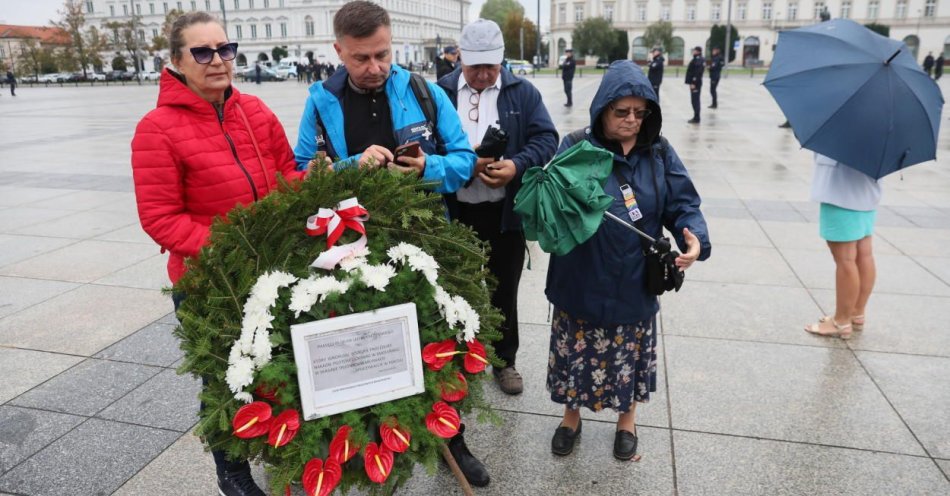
<point>224,17</point>
<point>728,36</point>
<point>537,35</point>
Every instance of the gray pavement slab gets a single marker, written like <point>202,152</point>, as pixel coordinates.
<point>709,464</point>
<point>85,261</point>
<point>17,293</point>
<point>183,469</point>
<point>167,401</point>
<point>938,266</point>
<point>129,234</point>
<point>84,320</point>
<point>23,370</point>
<point>14,248</point>
<point>906,380</point>
<point>87,200</point>
<point>912,241</point>
<point>741,232</point>
<point>154,344</point>
<point>150,273</point>
<point>745,265</point>
<point>14,196</point>
<point>896,274</point>
<point>81,225</point>
<point>87,388</point>
<point>24,431</point>
<point>782,392</point>
<point>95,458</point>
<point>14,218</point>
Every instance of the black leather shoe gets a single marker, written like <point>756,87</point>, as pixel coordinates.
<point>562,444</point>
<point>238,483</point>
<point>475,472</point>
<point>693,121</point>
<point>713,106</point>
<point>625,445</point>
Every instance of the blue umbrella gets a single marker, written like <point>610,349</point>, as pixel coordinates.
<point>856,96</point>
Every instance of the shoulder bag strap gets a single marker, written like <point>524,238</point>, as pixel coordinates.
<point>257,149</point>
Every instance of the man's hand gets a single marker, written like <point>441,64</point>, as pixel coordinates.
<point>481,163</point>
<point>410,165</point>
<point>692,87</point>
<point>375,156</point>
<point>498,174</point>
<point>685,260</point>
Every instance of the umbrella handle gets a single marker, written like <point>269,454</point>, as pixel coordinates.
<point>629,226</point>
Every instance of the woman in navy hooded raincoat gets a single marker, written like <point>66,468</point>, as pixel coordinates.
<point>603,339</point>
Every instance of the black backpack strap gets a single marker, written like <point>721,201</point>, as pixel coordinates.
<point>424,96</point>
<point>575,136</point>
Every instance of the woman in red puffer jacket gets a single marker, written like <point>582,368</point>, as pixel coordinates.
<point>206,147</point>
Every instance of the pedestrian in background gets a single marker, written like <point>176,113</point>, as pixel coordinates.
<point>715,71</point>
<point>694,78</point>
<point>204,149</point>
<point>656,71</point>
<point>567,75</point>
<point>929,64</point>
<point>11,80</point>
<point>257,72</point>
<point>849,201</point>
<point>603,335</point>
<point>938,67</point>
<point>449,61</point>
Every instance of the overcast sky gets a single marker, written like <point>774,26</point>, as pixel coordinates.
<point>39,12</point>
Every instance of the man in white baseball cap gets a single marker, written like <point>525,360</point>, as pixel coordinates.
<point>482,43</point>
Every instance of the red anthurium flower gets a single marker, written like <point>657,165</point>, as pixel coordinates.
<point>443,421</point>
<point>436,355</point>
<point>454,391</point>
<point>266,392</point>
<point>378,462</point>
<point>283,428</point>
<point>475,359</point>
<point>395,436</point>
<point>320,479</point>
<point>341,448</point>
<point>252,420</point>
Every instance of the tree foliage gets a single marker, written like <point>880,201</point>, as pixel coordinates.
<point>594,36</point>
<point>621,46</point>
<point>498,11</point>
<point>511,30</point>
<point>880,29</point>
<point>125,39</point>
<point>73,21</point>
<point>717,39</point>
<point>278,52</point>
<point>659,34</point>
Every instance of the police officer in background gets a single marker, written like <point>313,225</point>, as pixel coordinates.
<point>715,71</point>
<point>567,75</point>
<point>656,72</point>
<point>694,78</point>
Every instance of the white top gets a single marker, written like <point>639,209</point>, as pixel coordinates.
<point>487,100</point>
<point>842,186</point>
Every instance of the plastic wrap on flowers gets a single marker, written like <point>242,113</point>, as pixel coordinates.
<point>255,280</point>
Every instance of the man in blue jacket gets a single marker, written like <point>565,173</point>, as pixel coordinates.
<point>487,96</point>
<point>715,72</point>
<point>366,109</point>
<point>694,78</point>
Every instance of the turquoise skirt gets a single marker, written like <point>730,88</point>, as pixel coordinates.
<point>841,225</point>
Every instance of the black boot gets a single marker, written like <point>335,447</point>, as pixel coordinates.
<point>475,472</point>
<point>234,479</point>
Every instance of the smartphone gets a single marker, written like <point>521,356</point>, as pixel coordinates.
<point>408,150</point>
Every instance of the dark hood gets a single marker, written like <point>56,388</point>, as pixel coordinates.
<point>625,78</point>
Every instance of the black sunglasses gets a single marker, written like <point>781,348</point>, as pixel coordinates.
<point>204,55</point>
<point>623,113</point>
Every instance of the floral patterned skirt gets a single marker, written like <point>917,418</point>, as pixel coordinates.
<point>601,367</point>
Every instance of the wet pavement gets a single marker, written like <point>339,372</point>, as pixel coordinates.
<point>746,402</point>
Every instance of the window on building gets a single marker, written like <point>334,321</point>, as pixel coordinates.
<point>266,4</point>
<point>142,36</point>
<point>845,9</point>
<point>930,8</point>
<point>237,4</point>
<point>665,12</point>
<point>283,30</point>
<point>819,7</point>
<point>151,8</point>
<point>253,31</point>
<point>165,7</point>
<point>308,26</point>
<point>873,7</point>
<point>691,12</point>
<point>792,11</point>
<point>901,12</point>
<point>125,10</point>
<point>89,7</point>
<point>179,7</point>
<point>250,4</point>
<point>280,3</point>
<point>154,33</point>
<point>238,32</point>
<point>767,11</point>
<point>609,11</point>
<point>138,9</point>
<point>3,52</point>
<point>267,31</point>
<point>194,5</point>
<point>742,11</point>
<point>562,14</point>
<point>112,11</point>
<point>716,12</point>
<point>642,12</point>
<point>207,5</point>
<point>578,13</point>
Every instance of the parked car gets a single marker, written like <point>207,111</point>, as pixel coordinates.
<point>75,77</point>
<point>53,77</point>
<point>28,79</point>
<point>119,76</point>
<point>521,67</point>
<point>150,75</point>
<point>267,74</point>
<point>97,76</point>
<point>602,63</point>
<point>287,68</point>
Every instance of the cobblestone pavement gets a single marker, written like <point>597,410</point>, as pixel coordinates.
<point>747,403</point>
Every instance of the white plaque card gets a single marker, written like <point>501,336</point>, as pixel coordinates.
<point>357,360</point>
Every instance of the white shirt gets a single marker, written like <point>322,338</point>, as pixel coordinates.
<point>477,191</point>
<point>840,185</point>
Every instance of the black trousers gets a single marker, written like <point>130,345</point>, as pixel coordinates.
<point>568,86</point>
<point>656,89</point>
<point>713,83</point>
<point>694,98</point>
<point>505,262</point>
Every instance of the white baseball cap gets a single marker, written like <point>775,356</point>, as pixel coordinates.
<point>482,43</point>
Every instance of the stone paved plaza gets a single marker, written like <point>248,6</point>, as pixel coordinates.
<point>746,402</point>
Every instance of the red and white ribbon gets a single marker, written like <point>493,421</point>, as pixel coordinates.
<point>332,222</point>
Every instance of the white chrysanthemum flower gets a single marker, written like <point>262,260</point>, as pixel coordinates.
<point>245,397</point>
<point>402,251</point>
<point>311,290</point>
<point>377,276</point>
<point>240,373</point>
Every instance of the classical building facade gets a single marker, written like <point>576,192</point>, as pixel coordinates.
<point>12,39</point>
<point>923,24</point>
<point>303,27</point>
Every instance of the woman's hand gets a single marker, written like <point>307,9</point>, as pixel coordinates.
<point>686,259</point>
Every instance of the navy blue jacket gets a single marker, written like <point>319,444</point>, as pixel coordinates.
<point>567,68</point>
<point>602,280</point>
<point>532,137</point>
<point>694,72</point>
<point>656,70</point>
<point>715,67</point>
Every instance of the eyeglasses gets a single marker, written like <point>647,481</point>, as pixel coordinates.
<point>623,113</point>
<point>473,99</point>
<point>204,55</point>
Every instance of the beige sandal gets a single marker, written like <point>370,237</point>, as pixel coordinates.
<point>857,322</point>
<point>841,331</point>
